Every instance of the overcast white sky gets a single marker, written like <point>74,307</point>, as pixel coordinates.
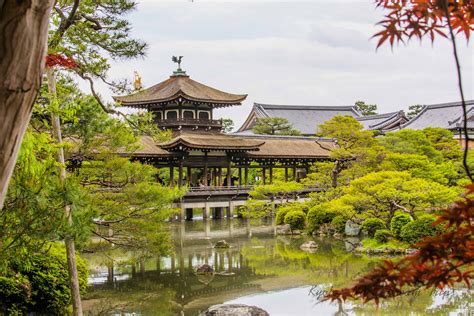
<point>314,52</point>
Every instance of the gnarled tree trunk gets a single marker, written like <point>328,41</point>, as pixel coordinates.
<point>23,36</point>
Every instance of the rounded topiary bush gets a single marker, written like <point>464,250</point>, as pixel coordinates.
<point>371,225</point>
<point>280,215</point>
<point>397,223</point>
<point>339,223</point>
<point>296,219</point>
<point>317,217</point>
<point>382,235</point>
<point>416,230</point>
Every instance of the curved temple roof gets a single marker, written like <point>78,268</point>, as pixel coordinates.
<point>180,86</point>
<point>444,115</point>
<point>212,142</point>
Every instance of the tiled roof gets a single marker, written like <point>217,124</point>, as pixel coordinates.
<point>304,118</point>
<point>383,121</point>
<point>212,141</point>
<point>444,115</point>
<point>292,147</point>
<point>180,86</point>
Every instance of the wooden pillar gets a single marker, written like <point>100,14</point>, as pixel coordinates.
<point>188,176</point>
<point>172,176</point>
<point>264,175</point>
<point>270,171</point>
<point>205,169</point>
<point>240,176</point>
<point>180,173</point>
<point>229,172</point>
<point>246,171</point>
<point>219,176</point>
<point>294,173</point>
<point>286,174</point>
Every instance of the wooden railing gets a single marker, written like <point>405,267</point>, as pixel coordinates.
<point>189,122</point>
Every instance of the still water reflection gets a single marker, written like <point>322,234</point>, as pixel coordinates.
<point>259,269</point>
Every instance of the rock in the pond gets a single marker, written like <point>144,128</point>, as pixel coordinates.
<point>309,245</point>
<point>283,229</point>
<point>351,229</point>
<point>205,268</point>
<point>234,310</point>
<point>222,244</point>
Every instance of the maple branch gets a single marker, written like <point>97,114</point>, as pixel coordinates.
<point>461,91</point>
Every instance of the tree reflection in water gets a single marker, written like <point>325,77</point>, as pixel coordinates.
<point>258,263</point>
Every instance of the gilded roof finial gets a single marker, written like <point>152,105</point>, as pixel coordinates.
<point>137,81</point>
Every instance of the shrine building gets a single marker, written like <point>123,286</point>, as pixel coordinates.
<point>213,165</point>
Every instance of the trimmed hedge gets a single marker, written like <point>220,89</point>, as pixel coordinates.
<point>382,235</point>
<point>296,219</point>
<point>397,223</point>
<point>416,230</point>
<point>371,225</point>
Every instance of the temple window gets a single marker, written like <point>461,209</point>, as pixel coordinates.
<point>203,115</point>
<point>172,115</point>
<point>158,115</point>
<point>188,114</point>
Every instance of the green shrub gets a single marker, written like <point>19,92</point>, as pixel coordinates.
<point>339,224</point>
<point>280,215</point>
<point>371,225</point>
<point>40,283</point>
<point>296,219</point>
<point>397,223</point>
<point>317,217</point>
<point>416,230</point>
<point>382,235</point>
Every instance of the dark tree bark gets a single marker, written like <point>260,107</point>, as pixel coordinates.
<point>23,37</point>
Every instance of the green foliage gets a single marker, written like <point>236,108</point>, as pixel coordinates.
<point>382,235</point>
<point>339,223</point>
<point>371,225</point>
<point>397,223</point>
<point>296,219</point>
<point>289,207</point>
<point>274,126</point>
<point>318,217</point>
<point>416,230</point>
<point>383,193</point>
<point>350,138</point>
<point>366,109</point>
<point>256,209</point>
<point>413,110</point>
<point>40,283</point>
<point>227,125</point>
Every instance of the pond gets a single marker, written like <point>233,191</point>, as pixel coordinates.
<point>259,269</point>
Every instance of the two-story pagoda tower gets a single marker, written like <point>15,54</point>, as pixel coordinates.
<point>180,103</point>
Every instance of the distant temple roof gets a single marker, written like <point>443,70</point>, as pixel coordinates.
<point>179,85</point>
<point>444,115</point>
<point>382,122</point>
<point>304,118</point>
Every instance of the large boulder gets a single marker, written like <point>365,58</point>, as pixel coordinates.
<point>222,244</point>
<point>234,310</point>
<point>352,229</point>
